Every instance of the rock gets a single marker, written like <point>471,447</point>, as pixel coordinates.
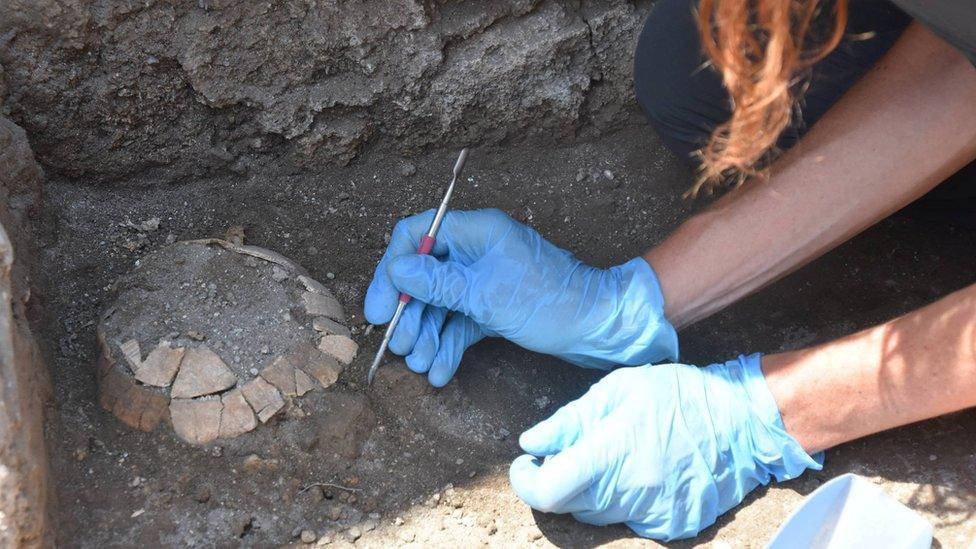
<point>264,399</point>
<point>369,525</point>
<point>407,169</point>
<point>317,304</point>
<point>330,327</point>
<point>325,539</point>
<point>196,421</point>
<point>237,417</point>
<point>202,372</point>
<point>235,235</point>
<point>161,365</point>
<point>315,493</point>
<point>342,348</point>
<point>353,534</point>
<point>406,536</point>
<point>278,274</point>
<point>253,463</point>
<point>202,495</point>
<point>308,536</point>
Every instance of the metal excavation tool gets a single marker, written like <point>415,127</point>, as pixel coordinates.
<point>426,245</point>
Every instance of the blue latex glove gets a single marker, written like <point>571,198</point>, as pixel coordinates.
<point>501,278</point>
<point>664,449</point>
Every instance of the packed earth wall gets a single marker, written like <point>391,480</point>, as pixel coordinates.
<point>110,89</point>
<point>25,390</point>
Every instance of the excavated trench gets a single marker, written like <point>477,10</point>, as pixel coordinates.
<point>404,463</point>
<point>315,127</point>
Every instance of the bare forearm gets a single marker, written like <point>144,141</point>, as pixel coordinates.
<point>901,130</point>
<point>912,368</point>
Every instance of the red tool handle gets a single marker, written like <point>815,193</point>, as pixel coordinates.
<point>426,245</point>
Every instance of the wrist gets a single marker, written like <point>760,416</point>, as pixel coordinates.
<point>781,453</point>
<point>640,312</point>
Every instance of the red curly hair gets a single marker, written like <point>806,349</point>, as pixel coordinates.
<point>762,49</point>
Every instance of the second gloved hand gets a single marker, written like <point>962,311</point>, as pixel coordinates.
<point>663,449</point>
<point>489,275</point>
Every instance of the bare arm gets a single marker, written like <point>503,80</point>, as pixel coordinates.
<point>912,368</point>
<point>905,127</point>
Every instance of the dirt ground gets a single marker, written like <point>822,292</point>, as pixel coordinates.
<point>401,463</point>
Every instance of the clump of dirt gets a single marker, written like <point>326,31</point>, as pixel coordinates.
<point>247,310</point>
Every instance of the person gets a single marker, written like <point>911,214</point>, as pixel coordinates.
<point>834,115</point>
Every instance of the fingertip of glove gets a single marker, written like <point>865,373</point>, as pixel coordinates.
<point>522,474</point>
<point>417,363</point>
<point>541,439</point>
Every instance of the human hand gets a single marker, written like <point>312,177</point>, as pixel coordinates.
<point>663,449</point>
<point>490,275</point>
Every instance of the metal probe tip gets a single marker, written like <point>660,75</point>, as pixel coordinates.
<point>459,165</point>
<point>432,232</point>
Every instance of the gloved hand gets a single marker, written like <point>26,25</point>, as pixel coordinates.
<point>501,278</point>
<point>664,449</point>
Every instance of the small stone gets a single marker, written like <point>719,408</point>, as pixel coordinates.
<point>407,169</point>
<point>541,402</point>
<point>316,494</point>
<point>398,521</point>
<point>235,235</point>
<point>608,174</point>
<point>330,276</point>
<point>932,457</point>
<point>534,534</point>
<point>459,461</point>
<point>325,539</point>
<point>308,536</point>
<point>369,525</point>
<point>354,533</point>
<point>407,536</point>
<point>253,463</point>
<point>202,495</point>
<point>265,349</point>
<point>195,335</point>
<point>335,513</point>
<point>170,238</point>
<point>80,454</point>
<point>278,274</point>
